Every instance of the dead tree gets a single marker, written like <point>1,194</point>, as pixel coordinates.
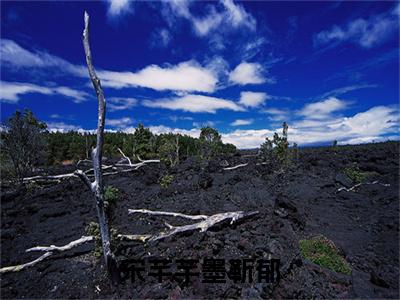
<point>97,186</point>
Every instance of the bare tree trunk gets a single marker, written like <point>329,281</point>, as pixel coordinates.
<point>97,153</point>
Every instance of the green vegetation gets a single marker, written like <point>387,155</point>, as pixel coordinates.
<point>277,149</point>
<point>23,143</point>
<point>94,229</point>
<point>324,253</point>
<point>111,195</point>
<point>26,144</point>
<point>169,149</point>
<point>166,180</point>
<point>355,174</point>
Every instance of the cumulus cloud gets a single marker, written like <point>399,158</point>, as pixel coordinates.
<point>194,103</point>
<point>247,73</point>
<point>116,104</point>
<point>323,109</point>
<point>240,122</point>
<point>252,99</point>
<point>11,92</point>
<point>186,76</point>
<point>367,33</point>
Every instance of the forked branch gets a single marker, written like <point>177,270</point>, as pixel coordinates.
<point>203,225</point>
<point>49,251</point>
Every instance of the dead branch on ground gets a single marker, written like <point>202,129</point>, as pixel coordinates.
<point>49,251</point>
<point>203,225</point>
<point>352,189</point>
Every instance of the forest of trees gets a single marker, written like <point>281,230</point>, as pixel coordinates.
<point>25,135</point>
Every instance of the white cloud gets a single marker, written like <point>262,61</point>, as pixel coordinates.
<point>63,127</point>
<point>252,99</point>
<point>225,16</point>
<point>175,118</point>
<point>11,91</point>
<point>251,49</point>
<point>14,56</point>
<point>116,104</point>
<point>204,124</point>
<point>246,139</point>
<point>119,123</point>
<point>346,89</point>
<point>276,114</point>
<point>194,103</point>
<point>240,122</point>
<point>118,7</point>
<point>322,109</point>
<point>194,132</point>
<point>186,76</point>
<point>275,111</point>
<point>160,38</point>
<point>367,33</point>
<point>378,123</point>
<point>247,73</point>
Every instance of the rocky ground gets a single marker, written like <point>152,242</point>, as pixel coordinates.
<point>296,204</point>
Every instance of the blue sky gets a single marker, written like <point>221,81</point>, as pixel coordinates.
<point>329,69</point>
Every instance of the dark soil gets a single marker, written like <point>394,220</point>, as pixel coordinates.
<point>296,204</point>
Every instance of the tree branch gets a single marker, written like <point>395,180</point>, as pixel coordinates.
<point>206,223</point>
<point>49,251</point>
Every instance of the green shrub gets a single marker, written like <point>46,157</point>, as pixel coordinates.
<point>277,149</point>
<point>111,195</point>
<point>355,174</point>
<point>93,229</point>
<point>324,253</point>
<point>166,180</point>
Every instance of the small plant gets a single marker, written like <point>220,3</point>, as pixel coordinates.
<point>166,180</point>
<point>93,229</point>
<point>324,253</point>
<point>355,174</point>
<point>111,195</point>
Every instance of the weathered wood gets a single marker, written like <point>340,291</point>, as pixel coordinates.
<point>165,213</point>
<point>51,248</point>
<point>352,189</point>
<point>49,251</point>
<point>97,152</point>
<point>205,223</point>
<point>235,167</point>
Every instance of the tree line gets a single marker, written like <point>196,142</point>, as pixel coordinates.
<point>27,143</point>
